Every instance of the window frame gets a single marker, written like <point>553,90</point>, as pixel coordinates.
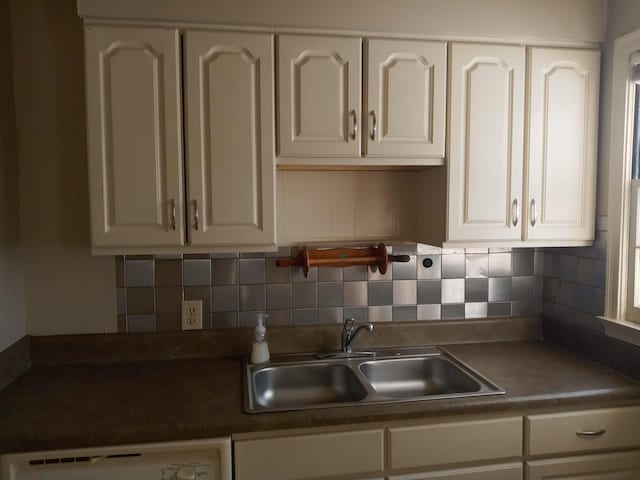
<point>621,252</point>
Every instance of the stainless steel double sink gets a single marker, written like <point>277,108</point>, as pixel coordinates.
<point>300,382</point>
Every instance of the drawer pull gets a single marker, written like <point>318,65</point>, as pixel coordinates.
<point>591,434</point>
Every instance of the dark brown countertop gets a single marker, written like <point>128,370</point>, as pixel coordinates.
<point>67,406</point>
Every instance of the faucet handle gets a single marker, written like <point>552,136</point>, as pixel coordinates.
<point>349,324</point>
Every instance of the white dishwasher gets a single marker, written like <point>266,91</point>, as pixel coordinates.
<point>187,460</point>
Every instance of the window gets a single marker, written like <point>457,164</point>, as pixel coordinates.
<point>633,265</point>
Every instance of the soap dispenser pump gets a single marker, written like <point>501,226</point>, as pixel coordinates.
<point>260,350</point>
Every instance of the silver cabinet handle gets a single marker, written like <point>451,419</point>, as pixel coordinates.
<point>591,433</point>
<point>515,212</point>
<point>354,132</point>
<point>173,213</point>
<point>196,216</point>
<point>533,212</point>
<point>374,128</point>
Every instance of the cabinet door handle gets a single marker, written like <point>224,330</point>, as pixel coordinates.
<point>196,215</point>
<point>354,131</point>
<point>374,127</point>
<point>533,212</point>
<point>515,212</point>
<point>173,213</point>
<point>591,433</point>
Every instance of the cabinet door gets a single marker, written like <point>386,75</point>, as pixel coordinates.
<point>134,136</point>
<point>563,133</point>
<point>507,471</point>
<point>611,466</point>
<point>319,90</point>
<point>406,98</point>
<point>230,156</point>
<point>486,135</point>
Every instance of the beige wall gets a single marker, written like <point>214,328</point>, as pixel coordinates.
<point>623,16</point>
<point>577,20</point>
<point>12,318</point>
<point>66,289</point>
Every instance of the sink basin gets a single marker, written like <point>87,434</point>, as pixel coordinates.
<point>300,385</point>
<point>299,382</point>
<point>417,377</point>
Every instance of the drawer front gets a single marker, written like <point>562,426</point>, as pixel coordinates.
<point>569,432</point>
<point>453,442</point>
<point>610,466</point>
<point>510,471</point>
<point>310,456</point>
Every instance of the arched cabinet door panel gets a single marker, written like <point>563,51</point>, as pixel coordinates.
<point>134,136</point>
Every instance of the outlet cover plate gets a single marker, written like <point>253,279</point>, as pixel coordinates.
<point>192,315</point>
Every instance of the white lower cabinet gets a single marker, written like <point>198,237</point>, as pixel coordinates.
<point>610,466</point>
<point>508,471</point>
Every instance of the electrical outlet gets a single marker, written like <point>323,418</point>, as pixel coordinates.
<point>191,314</point>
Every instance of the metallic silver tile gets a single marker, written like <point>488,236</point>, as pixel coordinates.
<point>429,291</point>
<point>476,290</point>
<point>499,264</point>
<point>121,298</point>
<point>499,309</point>
<point>452,311</point>
<point>224,271</point>
<point>428,249</point>
<point>432,272</point>
<point>453,251</point>
<point>522,262</point>
<point>196,272</point>
<point>224,255</point>
<point>198,293</point>
<point>476,250</point>
<point>380,293</point>
<point>404,292</point>
<point>330,315</point>
<point>359,314</point>
<point>248,319</point>
<point>252,297</point>
<point>279,296</point>
<point>282,252</point>
<point>452,291</point>
<point>405,248</point>
<point>355,294</point>
<point>592,272</point>
<point>224,319</point>
<point>305,317</point>
<point>279,317</point>
<point>551,264</point>
<point>305,295</point>
<point>252,255</point>
<point>499,289</point>
<point>405,270</point>
<point>383,313</point>
<point>499,249</point>
<point>297,275</point>
<point>276,274</point>
<point>251,271</point>
<point>522,289</point>
<point>538,263</point>
<point>453,266</point>
<point>477,265</point>
<point>141,323</point>
<point>568,267</point>
<point>404,313</point>
<point>522,308</point>
<point>225,299</point>
<point>429,312</point>
<point>139,273</point>
<point>355,273</point>
<point>330,294</point>
<point>475,310</point>
<point>329,274</point>
<point>374,275</point>
<point>169,299</point>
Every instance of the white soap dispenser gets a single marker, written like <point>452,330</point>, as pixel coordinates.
<point>260,350</point>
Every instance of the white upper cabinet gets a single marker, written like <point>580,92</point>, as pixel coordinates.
<point>319,90</point>
<point>134,136</point>
<point>406,98</point>
<point>229,125</point>
<point>486,135</point>
<point>563,132</point>
<point>321,121</point>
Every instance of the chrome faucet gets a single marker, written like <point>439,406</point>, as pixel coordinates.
<point>350,331</point>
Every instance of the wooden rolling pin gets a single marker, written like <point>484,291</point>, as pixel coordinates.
<point>343,257</point>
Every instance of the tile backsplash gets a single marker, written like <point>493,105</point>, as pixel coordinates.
<point>435,284</point>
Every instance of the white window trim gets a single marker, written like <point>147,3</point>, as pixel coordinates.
<point>619,223</point>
